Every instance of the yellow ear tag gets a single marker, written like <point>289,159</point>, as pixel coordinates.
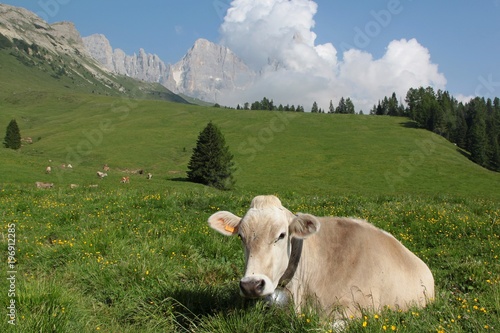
<point>229,228</point>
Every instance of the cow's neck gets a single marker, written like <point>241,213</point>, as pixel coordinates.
<point>293,263</point>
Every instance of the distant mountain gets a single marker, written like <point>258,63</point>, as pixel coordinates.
<point>142,66</point>
<point>205,72</point>
<point>208,70</point>
<point>59,51</point>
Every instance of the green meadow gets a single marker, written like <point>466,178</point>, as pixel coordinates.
<point>140,257</point>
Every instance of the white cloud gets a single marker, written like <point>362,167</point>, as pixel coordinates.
<point>276,38</point>
<point>463,98</point>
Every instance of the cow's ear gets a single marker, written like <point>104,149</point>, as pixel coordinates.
<point>304,225</point>
<point>224,222</point>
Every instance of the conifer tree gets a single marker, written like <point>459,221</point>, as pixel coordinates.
<point>349,106</point>
<point>331,109</point>
<point>12,136</point>
<point>314,108</point>
<point>211,163</point>
<point>341,108</point>
<point>476,134</point>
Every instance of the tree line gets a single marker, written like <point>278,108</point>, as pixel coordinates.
<point>345,106</point>
<point>473,126</point>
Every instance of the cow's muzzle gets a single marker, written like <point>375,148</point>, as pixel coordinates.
<point>252,287</point>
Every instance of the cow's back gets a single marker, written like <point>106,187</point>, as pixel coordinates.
<point>354,264</point>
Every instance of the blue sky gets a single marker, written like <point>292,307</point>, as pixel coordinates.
<point>461,38</point>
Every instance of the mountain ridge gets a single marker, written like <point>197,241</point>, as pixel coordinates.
<point>206,71</point>
<point>58,51</point>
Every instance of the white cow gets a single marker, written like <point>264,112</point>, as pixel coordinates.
<point>343,264</point>
<point>101,175</point>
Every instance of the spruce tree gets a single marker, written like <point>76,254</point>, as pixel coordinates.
<point>314,108</point>
<point>331,109</point>
<point>12,136</point>
<point>349,106</point>
<point>211,163</point>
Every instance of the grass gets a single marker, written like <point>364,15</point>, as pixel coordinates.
<point>316,153</point>
<point>140,256</point>
<point>139,260</point>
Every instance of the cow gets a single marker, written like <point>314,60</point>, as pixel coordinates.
<point>74,185</point>
<point>105,167</point>
<point>101,175</point>
<point>149,175</point>
<point>125,180</point>
<point>343,265</point>
<point>48,169</point>
<point>44,185</point>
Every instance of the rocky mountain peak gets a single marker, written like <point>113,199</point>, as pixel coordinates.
<point>19,23</point>
<point>205,72</point>
<point>143,66</point>
<point>208,70</point>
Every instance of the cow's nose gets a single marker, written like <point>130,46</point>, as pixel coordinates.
<point>252,287</point>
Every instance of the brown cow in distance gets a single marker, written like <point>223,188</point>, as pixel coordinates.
<point>44,185</point>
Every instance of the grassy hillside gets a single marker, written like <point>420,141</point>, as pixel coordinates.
<point>21,72</point>
<point>275,152</point>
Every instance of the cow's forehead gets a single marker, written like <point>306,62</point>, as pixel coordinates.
<point>264,220</point>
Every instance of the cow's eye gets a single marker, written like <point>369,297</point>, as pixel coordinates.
<point>281,236</point>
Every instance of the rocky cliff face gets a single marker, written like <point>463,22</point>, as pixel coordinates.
<point>142,66</point>
<point>205,72</point>
<point>58,38</point>
<point>209,70</point>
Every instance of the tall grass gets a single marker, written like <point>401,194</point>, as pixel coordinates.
<point>142,260</point>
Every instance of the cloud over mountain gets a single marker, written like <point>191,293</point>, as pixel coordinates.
<point>277,39</point>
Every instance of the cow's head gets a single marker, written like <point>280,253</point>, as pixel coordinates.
<point>266,231</point>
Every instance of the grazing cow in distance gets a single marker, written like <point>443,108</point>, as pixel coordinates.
<point>105,167</point>
<point>73,185</point>
<point>345,265</point>
<point>125,180</point>
<point>70,166</point>
<point>101,175</point>
<point>149,175</point>
<point>44,185</point>
<point>48,169</point>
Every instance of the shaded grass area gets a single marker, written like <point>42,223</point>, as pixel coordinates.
<point>141,260</point>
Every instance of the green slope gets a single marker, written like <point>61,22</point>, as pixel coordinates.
<point>21,72</point>
<point>275,152</point>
